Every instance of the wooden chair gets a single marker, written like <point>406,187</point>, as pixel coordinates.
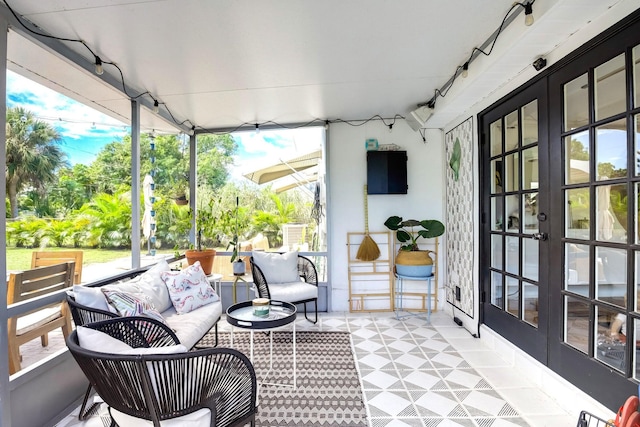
<point>37,323</point>
<point>46,258</point>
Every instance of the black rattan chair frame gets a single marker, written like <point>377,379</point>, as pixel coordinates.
<point>160,387</point>
<point>306,270</point>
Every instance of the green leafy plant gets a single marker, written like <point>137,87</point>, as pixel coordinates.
<point>406,231</point>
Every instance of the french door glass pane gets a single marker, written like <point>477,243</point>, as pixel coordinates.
<point>513,213</point>
<point>496,251</point>
<point>530,259</point>
<point>512,172</point>
<point>576,103</point>
<point>576,161</point>
<point>530,217</point>
<point>511,131</point>
<point>608,350</point>
<point>578,213</point>
<point>530,303</point>
<point>610,88</point>
<point>576,332</point>
<point>636,362</point>
<point>576,270</point>
<point>530,168</point>
<point>513,296</point>
<point>497,214</point>
<point>611,150</point>
<point>636,296</point>
<point>636,76</point>
<point>495,135</point>
<point>637,142</point>
<point>496,289</point>
<point>512,254</point>
<point>611,213</point>
<point>611,271</point>
<point>530,123</point>
<point>496,173</point>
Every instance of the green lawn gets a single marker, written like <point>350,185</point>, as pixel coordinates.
<point>20,258</point>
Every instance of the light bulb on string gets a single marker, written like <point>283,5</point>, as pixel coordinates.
<point>156,106</point>
<point>528,14</point>
<point>391,128</point>
<point>465,70</point>
<point>99,69</point>
<point>257,128</point>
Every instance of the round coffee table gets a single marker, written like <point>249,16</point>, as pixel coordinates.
<point>281,313</point>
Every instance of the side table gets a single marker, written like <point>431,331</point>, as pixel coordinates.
<point>399,294</point>
<point>236,279</point>
<point>241,315</point>
<point>215,280</point>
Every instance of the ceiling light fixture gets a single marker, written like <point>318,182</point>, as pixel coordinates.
<point>99,69</point>
<point>156,106</point>
<point>465,70</point>
<point>418,117</point>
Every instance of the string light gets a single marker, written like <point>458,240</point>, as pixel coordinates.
<point>98,62</point>
<point>257,128</point>
<point>476,51</point>
<point>156,106</point>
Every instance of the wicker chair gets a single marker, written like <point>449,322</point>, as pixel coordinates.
<point>164,386</point>
<point>306,271</point>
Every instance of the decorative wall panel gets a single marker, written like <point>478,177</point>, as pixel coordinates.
<point>459,215</point>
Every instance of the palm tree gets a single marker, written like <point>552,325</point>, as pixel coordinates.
<point>33,154</point>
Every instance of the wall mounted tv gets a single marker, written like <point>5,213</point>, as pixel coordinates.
<point>386,172</point>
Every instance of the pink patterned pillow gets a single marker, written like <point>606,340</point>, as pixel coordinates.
<point>189,288</point>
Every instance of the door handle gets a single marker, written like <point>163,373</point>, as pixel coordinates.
<point>540,236</point>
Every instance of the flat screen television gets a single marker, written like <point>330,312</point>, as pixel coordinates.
<point>386,172</point>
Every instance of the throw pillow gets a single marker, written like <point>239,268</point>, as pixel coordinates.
<point>91,297</point>
<point>128,304</point>
<point>189,288</point>
<point>277,268</point>
<point>152,285</point>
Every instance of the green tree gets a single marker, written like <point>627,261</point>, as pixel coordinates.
<point>215,156</point>
<point>578,151</point>
<point>33,155</point>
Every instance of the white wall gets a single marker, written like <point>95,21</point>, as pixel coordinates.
<point>347,175</point>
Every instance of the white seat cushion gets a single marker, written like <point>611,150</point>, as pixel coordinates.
<point>36,319</point>
<point>190,328</point>
<point>199,418</point>
<point>294,291</point>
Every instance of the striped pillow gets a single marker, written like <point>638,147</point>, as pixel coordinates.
<point>127,304</point>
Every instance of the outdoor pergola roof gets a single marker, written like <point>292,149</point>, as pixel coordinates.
<point>285,167</point>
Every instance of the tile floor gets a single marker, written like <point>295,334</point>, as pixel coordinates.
<point>418,374</point>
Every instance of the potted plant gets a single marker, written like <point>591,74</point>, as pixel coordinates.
<point>411,260</point>
<point>239,267</point>
<point>205,226</point>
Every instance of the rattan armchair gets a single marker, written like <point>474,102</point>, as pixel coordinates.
<point>165,386</point>
<point>286,292</point>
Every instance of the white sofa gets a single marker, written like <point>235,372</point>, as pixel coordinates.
<point>91,304</point>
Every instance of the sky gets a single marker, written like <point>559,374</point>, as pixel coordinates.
<point>85,130</point>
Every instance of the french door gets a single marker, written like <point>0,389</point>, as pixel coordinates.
<point>560,235</point>
<point>514,220</point>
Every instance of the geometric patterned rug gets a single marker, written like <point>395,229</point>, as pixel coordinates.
<point>328,391</point>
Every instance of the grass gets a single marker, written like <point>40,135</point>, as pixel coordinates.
<point>19,259</point>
